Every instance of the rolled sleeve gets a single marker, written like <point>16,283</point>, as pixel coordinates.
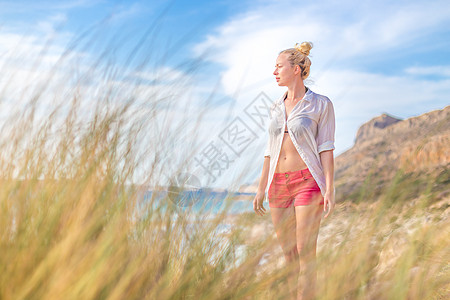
<point>326,128</point>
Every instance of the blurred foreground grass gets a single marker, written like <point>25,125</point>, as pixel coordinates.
<point>76,239</point>
<point>69,228</point>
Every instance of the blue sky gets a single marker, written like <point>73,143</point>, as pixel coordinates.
<point>369,57</point>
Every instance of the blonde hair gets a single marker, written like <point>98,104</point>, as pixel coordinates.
<point>299,56</point>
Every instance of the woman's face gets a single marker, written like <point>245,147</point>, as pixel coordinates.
<point>284,72</point>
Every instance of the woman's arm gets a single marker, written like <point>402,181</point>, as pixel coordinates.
<point>260,193</point>
<point>327,161</point>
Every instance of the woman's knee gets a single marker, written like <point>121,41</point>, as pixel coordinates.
<point>306,249</point>
<point>291,253</point>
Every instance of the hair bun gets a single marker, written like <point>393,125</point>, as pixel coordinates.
<point>304,47</point>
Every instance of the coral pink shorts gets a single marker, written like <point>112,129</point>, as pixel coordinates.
<point>298,187</point>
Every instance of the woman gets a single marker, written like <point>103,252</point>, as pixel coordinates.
<point>298,170</point>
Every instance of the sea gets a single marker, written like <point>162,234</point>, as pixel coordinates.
<point>203,200</point>
<point>203,203</point>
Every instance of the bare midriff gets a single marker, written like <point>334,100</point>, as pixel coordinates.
<point>289,159</point>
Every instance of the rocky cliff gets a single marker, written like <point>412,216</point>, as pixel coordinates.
<point>374,126</point>
<point>411,155</point>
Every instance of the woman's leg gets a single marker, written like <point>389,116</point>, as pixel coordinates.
<point>284,222</point>
<point>308,222</point>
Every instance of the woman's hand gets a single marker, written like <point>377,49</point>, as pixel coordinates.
<point>258,203</point>
<point>328,201</point>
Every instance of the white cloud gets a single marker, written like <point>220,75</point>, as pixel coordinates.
<point>48,26</point>
<point>162,74</point>
<point>443,71</point>
<point>126,12</point>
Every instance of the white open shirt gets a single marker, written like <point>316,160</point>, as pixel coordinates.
<point>311,126</point>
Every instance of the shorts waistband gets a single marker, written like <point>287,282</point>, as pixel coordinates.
<point>302,171</point>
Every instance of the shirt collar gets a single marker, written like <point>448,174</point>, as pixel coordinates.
<point>307,96</point>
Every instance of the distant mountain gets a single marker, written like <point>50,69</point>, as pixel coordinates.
<point>412,154</point>
<point>374,126</point>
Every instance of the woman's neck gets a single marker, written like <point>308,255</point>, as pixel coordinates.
<point>297,91</point>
